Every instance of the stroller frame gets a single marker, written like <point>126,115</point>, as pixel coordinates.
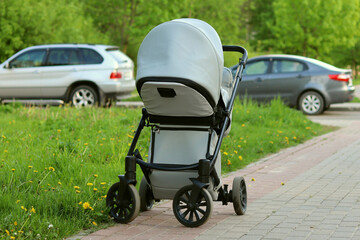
<point>124,200</point>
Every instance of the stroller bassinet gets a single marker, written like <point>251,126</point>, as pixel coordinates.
<point>188,97</point>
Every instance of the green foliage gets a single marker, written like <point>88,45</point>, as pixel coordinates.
<point>31,22</point>
<point>57,164</point>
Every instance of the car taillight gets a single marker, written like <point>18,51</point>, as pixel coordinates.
<point>340,77</point>
<point>115,75</point>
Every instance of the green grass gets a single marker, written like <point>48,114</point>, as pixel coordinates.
<point>356,81</point>
<point>56,164</point>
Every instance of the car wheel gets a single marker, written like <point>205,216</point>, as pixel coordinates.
<point>84,96</point>
<point>311,103</point>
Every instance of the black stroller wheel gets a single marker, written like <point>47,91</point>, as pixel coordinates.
<point>124,208</point>
<point>146,196</point>
<point>192,213</point>
<point>239,195</point>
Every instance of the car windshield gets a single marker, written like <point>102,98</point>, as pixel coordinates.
<point>322,64</point>
<point>119,56</point>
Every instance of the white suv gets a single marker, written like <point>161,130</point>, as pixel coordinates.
<point>82,74</point>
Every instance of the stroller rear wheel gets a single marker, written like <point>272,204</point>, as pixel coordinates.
<point>239,195</point>
<point>192,211</point>
<point>146,196</point>
<point>123,207</point>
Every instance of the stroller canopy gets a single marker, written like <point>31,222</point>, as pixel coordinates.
<point>186,49</point>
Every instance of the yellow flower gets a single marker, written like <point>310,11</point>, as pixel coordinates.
<point>86,205</point>
<point>35,171</point>
<point>80,203</point>
<point>240,158</point>
<point>243,125</point>
<point>253,179</point>
<point>12,237</point>
<point>89,184</point>
<point>228,162</point>
<point>52,169</point>
<point>308,128</point>
<point>95,175</point>
<point>7,232</point>
<point>59,183</point>
<point>271,142</point>
<point>5,151</point>
<point>59,130</point>
<point>32,210</point>
<point>282,183</point>
<point>95,189</point>
<point>294,138</point>
<point>77,191</point>
<point>30,167</point>
<point>13,169</point>
<point>130,136</point>
<point>3,137</point>
<point>15,223</point>
<point>225,153</point>
<point>103,183</point>
<point>76,187</point>
<point>17,201</point>
<point>94,223</point>
<point>85,144</point>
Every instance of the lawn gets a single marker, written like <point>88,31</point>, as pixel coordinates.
<point>57,163</point>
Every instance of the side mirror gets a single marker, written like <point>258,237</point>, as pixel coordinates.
<point>8,65</point>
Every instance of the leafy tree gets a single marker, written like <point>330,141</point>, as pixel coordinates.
<point>31,22</point>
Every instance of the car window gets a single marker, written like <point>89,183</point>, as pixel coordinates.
<point>90,56</point>
<point>258,67</point>
<point>287,66</point>
<point>60,56</point>
<point>33,58</point>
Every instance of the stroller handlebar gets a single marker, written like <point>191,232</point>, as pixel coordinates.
<point>234,48</point>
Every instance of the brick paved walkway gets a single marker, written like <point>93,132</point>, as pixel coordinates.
<point>319,199</point>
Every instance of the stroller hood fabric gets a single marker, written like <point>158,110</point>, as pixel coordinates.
<point>183,48</point>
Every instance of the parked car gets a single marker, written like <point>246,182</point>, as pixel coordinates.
<point>83,74</point>
<point>305,83</point>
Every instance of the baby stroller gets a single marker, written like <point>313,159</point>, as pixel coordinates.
<point>188,97</point>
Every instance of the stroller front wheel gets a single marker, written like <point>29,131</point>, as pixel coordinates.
<point>146,196</point>
<point>126,207</point>
<point>192,211</point>
<point>239,195</point>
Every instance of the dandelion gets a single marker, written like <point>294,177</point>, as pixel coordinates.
<point>89,184</point>
<point>15,223</point>
<point>294,138</point>
<point>112,139</point>
<point>52,169</point>
<point>59,130</point>
<point>103,183</point>
<point>228,162</point>
<point>50,226</point>
<point>7,232</point>
<point>76,187</point>
<point>32,210</point>
<point>24,208</point>
<point>225,153</point>
<point>6,151</point>
<point>35,171</point>
<point>282,183</point>
<point>77,191</point>
<point>130,136</point>
<point>308,128</point>
<point>260,116</point>
<point>17,201</point>
<point>95,189</point>
<point>12,237</point>
<point>3,137</point>
<point>13,169</point>
<point>271,142</point>
<point>95,175</point>
<point>243,125</point>
<point>236,152</point>
<point>253,179</point>
<point>99,131</point>
<point>30,167</point>
<point>59,183</point>
<point>86,205</point>
<point>240,158</point>
<point>103,139</point>
<point>85,144</point>
<point>94,223</point>
<point>101,144</point>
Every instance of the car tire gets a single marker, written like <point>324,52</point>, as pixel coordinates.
<point>84,96</point>
<point>311,103</point>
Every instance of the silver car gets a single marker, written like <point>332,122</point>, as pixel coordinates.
<point>305,83</point>
<point>82,74</point>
